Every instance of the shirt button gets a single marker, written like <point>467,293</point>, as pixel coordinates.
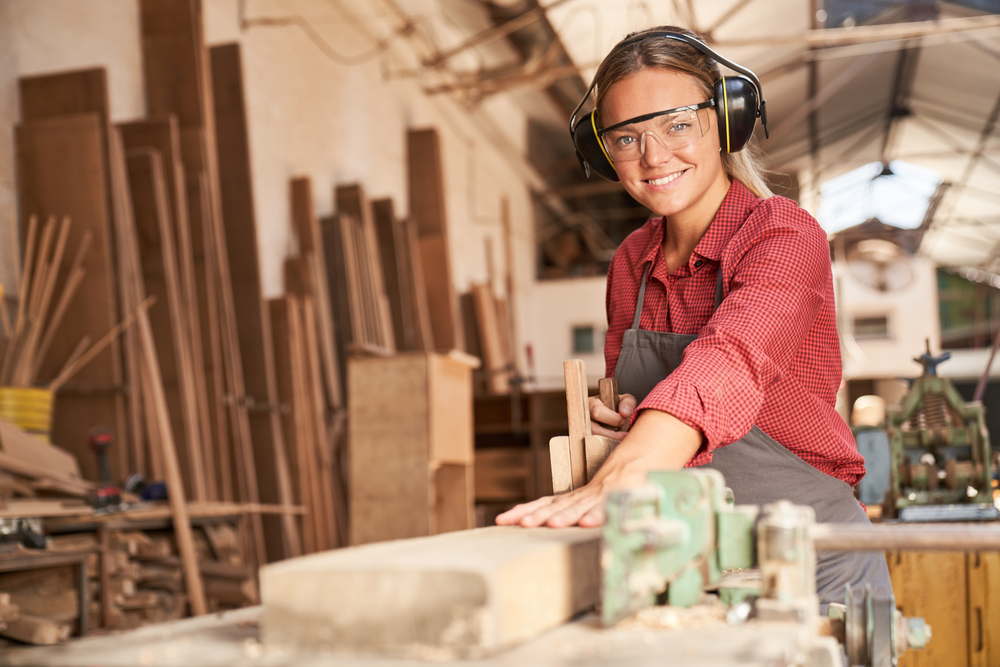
<point>698,264</point>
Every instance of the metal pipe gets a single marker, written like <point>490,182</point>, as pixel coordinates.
<point>848,537</point>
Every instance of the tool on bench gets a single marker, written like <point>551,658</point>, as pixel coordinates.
<point>106,497</point>
<point>941,464</point>
<point>576,458</point>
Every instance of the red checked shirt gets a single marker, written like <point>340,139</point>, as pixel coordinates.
<point>769,355</point>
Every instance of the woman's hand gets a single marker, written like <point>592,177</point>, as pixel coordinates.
<point>657,441</point>
<point>601,416</point>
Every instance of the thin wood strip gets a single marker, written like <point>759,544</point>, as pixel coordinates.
<point>72,284</point>
<point>27,362</point>
<point>579,418</point>
<point>70,370</point>
<point>326,491</point>
<point>178,504</point>
<point>24,280</point>
<point>15,245</point>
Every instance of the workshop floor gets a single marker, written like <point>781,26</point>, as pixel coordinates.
<point>232,639</point>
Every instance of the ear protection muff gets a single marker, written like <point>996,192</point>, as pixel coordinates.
<point>738,103</point>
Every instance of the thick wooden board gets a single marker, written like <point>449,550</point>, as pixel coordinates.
<point>252,324</point>
<point>596,451</point>
<point>62,171</point>
<point>562,468</point>
<point>469,593</point>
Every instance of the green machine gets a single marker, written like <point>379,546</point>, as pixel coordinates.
<point>941,463</point>
<point>680,535</point>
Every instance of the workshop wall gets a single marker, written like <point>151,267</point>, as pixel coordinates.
<point>309,115</point>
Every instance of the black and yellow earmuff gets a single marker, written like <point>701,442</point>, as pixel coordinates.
<point>739,101</point>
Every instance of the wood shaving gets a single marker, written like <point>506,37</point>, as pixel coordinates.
<point>677,618</point>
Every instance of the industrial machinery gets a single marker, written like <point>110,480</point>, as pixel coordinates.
<point>676,537</point>
<point>941,464</point>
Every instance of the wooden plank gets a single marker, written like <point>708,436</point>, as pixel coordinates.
<point>158,260</point>
<point>396,287</point>
<point>288,363</point>
<point>61,170</point>
<point>207,315</point>
<point>499,585</point>
<point>490,338</point>
<point>68,93</point>
<point>425,177</point>
<point>252,325</point>
<point>351,201</point>
<point>575,374</point>
<point>425,174</point>
<point>310,237</point>
<point>178,504</point>
<point>34,630</point>
<point>55,461</point>
<point>439,293</point>
<point>163,135</point>
<point>327,483</point>
<point>418,295</point>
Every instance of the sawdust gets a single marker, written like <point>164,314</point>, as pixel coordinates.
<point>703,615</point>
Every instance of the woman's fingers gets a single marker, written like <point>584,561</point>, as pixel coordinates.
<point>599,429</point>
<point>513,516</point>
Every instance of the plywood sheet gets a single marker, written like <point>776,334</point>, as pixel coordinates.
<point>61,171</point>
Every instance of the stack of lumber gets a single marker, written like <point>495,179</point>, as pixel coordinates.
<point>29,466</point>
<point>133,578</point>
<point>488,337</point>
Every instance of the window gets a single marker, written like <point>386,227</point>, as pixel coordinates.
<point>583,340</point>
<point>871,327</point>
<point>968,311</point>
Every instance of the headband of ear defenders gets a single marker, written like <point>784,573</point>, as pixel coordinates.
<point>739,101</point>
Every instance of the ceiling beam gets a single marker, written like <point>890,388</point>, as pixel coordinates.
<point>899,101</point>
<point>867,34</point>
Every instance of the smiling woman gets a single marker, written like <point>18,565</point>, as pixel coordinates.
<point>721,324</point>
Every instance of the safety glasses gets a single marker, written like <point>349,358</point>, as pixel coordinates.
<point>672,129</point>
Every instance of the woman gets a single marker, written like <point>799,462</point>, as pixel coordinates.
<point>721,324</point>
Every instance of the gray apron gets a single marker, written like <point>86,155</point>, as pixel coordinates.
<point>758,469</point>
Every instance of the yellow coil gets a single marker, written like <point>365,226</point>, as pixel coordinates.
<point>28,408</point>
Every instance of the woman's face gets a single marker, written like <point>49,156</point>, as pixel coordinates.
<point>688,182</point>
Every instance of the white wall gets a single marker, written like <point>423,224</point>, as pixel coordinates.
<point>560,305</point>
<point>912,314</point>
<point>310,116</point>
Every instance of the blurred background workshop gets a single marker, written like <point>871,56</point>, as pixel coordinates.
<point>297,293</point>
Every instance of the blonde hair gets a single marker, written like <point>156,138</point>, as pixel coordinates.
<point>672,54</point>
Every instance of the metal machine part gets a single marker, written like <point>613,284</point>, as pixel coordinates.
<point>875,633</point>
<point>26,531</point>
<point>940,449</point>
<point>672,539</point>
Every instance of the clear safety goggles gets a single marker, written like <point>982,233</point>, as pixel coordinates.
<point>672,129</point>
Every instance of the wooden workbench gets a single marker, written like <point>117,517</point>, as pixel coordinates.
<point>232,639</point>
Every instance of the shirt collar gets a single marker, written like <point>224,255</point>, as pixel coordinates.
<point>735,208</point>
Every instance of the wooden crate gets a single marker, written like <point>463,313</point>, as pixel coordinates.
<point>410,440</point>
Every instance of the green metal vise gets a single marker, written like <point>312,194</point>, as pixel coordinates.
<point>678,532</point>
<point>935,420</point>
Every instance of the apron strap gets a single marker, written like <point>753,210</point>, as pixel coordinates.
<point>642,295</point>
<point>718,288</point>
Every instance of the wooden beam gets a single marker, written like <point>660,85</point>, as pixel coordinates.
<point>468,593</point>
<point>252,324</point>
